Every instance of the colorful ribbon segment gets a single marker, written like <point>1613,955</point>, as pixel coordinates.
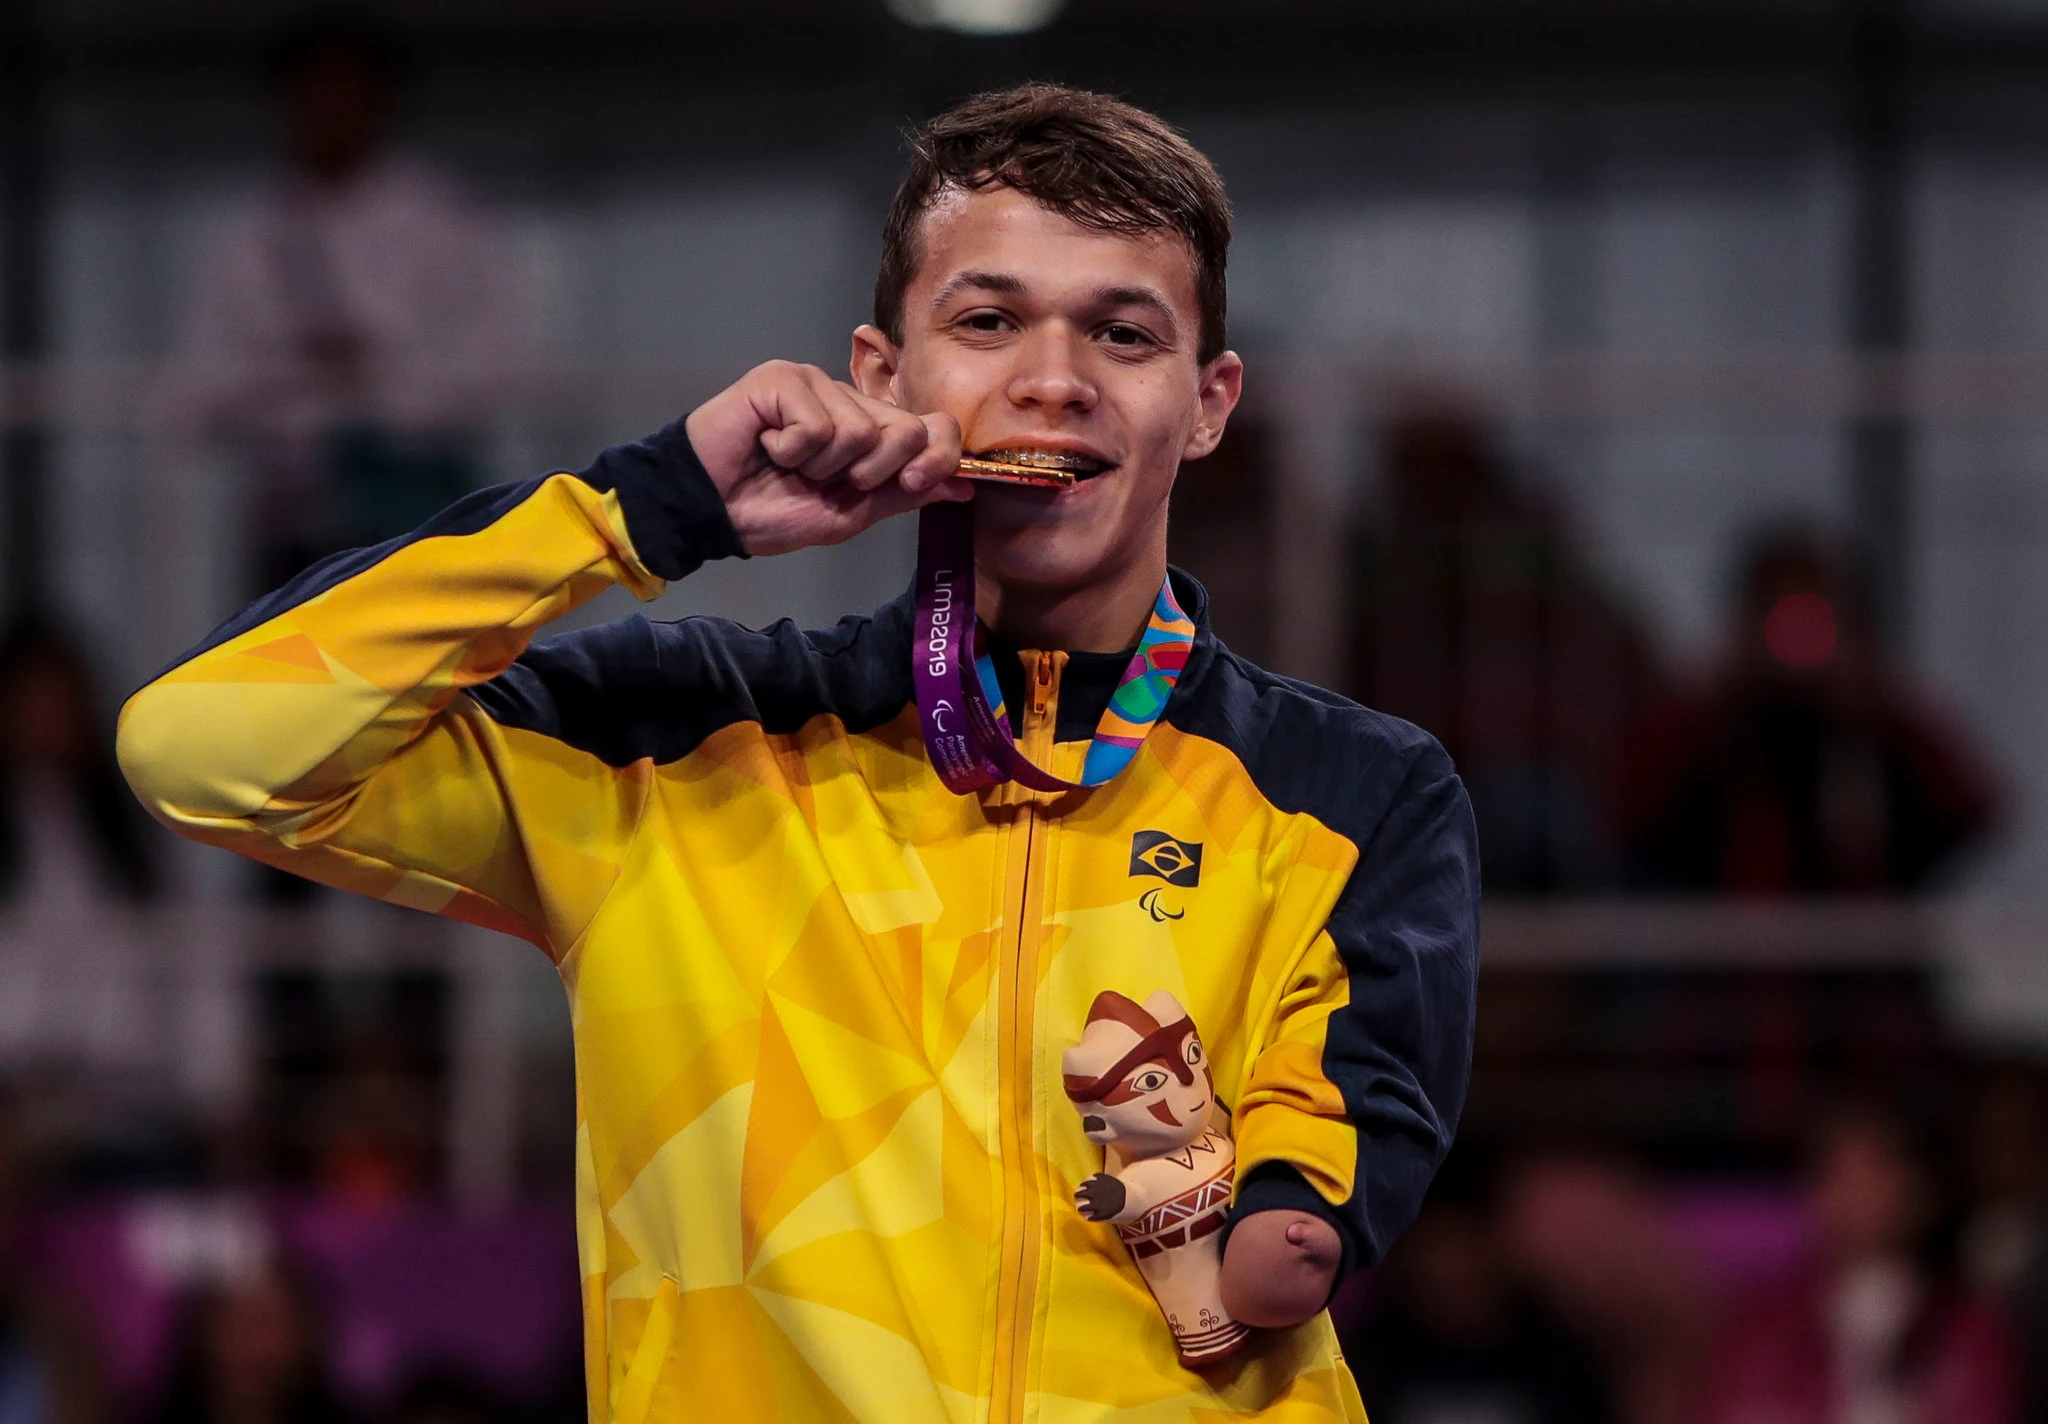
<point>960,701</point>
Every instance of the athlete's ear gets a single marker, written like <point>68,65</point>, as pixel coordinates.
<point>874,364</point>
<point>1222,384</point>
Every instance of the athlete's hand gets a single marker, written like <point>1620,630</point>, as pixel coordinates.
<point>802,459</point>
<point>1279,1267</point>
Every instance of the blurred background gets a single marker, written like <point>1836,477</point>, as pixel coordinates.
<point>1649,400</point>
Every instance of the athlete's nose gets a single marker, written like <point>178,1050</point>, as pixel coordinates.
<point>1049,376</point>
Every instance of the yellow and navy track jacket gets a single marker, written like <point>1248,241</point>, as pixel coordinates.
<point>825,1166</point>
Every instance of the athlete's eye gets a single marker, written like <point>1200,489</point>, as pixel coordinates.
<point>1120,334</point>
<point>1149,1081</point>
<point>986,322</point>
<point>1194,1050</point>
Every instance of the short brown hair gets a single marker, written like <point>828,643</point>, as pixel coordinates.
<point>1096,160</point>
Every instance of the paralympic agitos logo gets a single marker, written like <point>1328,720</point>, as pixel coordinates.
<point>1177,862</point>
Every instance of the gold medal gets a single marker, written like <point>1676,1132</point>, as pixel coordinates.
<point>1044,468</point>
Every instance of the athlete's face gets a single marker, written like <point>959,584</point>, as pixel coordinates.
<point>1034,331</point>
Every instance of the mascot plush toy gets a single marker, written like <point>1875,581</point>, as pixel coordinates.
<point>1143,1088</point>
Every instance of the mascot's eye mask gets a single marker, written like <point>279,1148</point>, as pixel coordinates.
<point>1143,1083</point>
<point>1162,1046</point>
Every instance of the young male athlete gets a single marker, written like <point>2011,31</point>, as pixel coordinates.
<point>826,1167</point>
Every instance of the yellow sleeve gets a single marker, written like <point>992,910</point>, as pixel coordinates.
<point>1291,1111</point>
<point>326,730</point>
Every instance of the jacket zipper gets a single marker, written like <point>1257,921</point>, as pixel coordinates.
<point>1016,1007</point>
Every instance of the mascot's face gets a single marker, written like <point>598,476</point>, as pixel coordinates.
<point>1158,1106</point>
<point>1154,1095</point>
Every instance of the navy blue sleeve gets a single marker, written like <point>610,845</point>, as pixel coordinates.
<point>675,515</point>
<point>1405,927</point>
<point>1400,1051</point>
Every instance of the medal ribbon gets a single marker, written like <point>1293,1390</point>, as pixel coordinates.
<point>960,701</point>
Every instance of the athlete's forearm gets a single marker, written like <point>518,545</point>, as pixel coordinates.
<point>283,711</point>
<point>1280,1267</point>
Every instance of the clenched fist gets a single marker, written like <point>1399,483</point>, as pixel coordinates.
<point>802,459</point>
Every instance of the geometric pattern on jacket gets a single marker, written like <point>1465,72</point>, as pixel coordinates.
<point>825,1170</point>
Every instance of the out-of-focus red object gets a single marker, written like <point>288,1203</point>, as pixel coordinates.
<point>1776,1364</point>
<point>1877,1326</point>
<point>1807,763</point>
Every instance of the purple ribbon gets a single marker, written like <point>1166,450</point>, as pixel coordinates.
<point>971,748</point>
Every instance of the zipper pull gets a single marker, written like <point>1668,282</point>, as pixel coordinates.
<point>1041,685</point>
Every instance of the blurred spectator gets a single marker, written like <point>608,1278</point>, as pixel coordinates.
<point>1596,1244</point>
<point>24,1383</point>
<point>1806,766</point>
<point>70,832</point>
<point>2007,1163</point>
<point>1476,618</point>
<point>376,1129</point>
<point>74,854</point>
<point>249,1352</point>
<point>1461,1338</point>
<point>2005,1237</point>
<point>446,1399</point>
<point>354,1090</point>
<point>329,305</point>
<point>45,1370</point>
<point>2033,1340</point>
<point>1879,1331</point>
